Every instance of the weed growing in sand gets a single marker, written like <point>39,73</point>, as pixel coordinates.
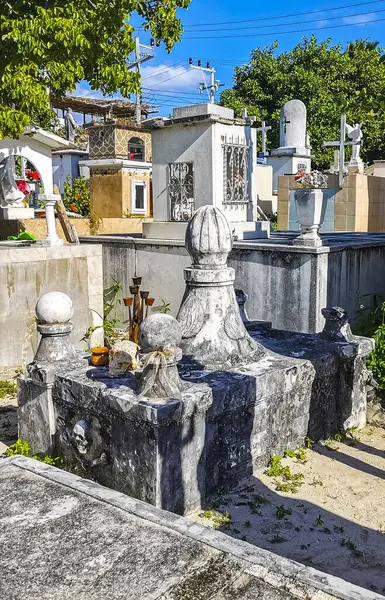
<point>7,388</point>
<point>219,519</point>
<point>299,455</point>
<point>281,511</point>
<point>284,479</point>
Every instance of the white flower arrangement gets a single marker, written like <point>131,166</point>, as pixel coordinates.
<point>312,180</point>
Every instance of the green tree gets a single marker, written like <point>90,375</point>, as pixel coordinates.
<point>330,80</point>
<point>48,46</point>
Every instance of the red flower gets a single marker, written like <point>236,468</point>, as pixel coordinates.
<point>33,175</point>
<point>299,175</point>
<point>23,186</point>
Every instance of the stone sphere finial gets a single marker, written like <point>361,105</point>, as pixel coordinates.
<point>208,238</point>
<point>54,308</point>
<point>158,332</point>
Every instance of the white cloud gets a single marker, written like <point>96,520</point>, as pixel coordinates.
<point>162,77</point>
<point>359,19</point>
<point>83,90</point>
<point>323,23</point>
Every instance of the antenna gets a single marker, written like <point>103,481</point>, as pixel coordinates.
<point>143,53</point>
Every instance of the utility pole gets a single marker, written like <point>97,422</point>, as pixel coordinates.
<point>143,53</point>
<point>214,84</point>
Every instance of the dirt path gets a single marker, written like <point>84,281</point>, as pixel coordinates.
<point>336,520</point>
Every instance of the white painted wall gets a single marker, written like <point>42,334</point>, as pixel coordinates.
<point>37,153</point>
<point>182,143</point>
<point>200,143</point>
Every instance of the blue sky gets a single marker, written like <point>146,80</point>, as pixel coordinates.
<point>168,81</point>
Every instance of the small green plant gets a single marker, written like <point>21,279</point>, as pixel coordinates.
<point>112,298</point>
<point>281,511</point>
<point>370,321</point>
<point>309,443</point>
<point>164,307</point>
<point>219,519</point>
<point>95,223</point>
<point>77,198</point>
<point>299,455</point>
<point>7,388</point>
<point>247,524</point>
<point>285,480</point>
<point>22,447</point>
<point>319,521</point>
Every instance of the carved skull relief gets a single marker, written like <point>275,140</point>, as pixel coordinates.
<point>81,435</point>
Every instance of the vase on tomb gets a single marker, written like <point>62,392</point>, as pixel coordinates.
<point>310,206</point>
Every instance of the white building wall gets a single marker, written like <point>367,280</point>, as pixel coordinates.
<point>37,153</point>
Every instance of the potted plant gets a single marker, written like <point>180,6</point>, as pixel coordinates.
<point>310,205</point>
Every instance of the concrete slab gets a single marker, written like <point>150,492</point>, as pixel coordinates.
<point>64,537</point>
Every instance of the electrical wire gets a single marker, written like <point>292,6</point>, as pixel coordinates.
<point>172,66</point>
<point>292,23</point>
<point>321,10</point>
<point>274,34</point>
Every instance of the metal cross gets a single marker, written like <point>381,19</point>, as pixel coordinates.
<point>341,145</point>
<point>264,129</point>
<point>285,123</point>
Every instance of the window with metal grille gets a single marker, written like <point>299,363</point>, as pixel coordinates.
<point>236,169</point>
<point>181,190</point>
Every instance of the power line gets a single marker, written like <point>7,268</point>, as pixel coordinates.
<point>284,16</point>
<point>271,33</point>
<point>170,78</point>
<point>171,91</point>
<point>293,22</point>
<point>172,66</point>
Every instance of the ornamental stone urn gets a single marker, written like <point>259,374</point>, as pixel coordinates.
<point>311,206</point>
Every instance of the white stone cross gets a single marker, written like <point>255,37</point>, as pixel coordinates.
<point>264,129</point>
<point>341,145</point>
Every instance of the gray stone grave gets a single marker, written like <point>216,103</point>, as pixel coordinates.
<point>172,436</point>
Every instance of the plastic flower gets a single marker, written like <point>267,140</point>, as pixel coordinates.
<point>23,186</point>
<point>33,175</point>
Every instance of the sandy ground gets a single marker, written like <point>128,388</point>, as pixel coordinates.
<point>336,520</point>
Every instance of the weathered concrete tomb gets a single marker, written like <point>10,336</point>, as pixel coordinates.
<point>65,537</point>
<point>175,430</point>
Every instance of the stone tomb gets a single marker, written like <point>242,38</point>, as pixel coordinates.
<point>294,150</point>
<point>203,155</point>
<point>244,391</point>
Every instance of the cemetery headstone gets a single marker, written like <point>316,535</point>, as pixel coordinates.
<point>294,151</point>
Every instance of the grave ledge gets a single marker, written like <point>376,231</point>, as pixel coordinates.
<point>267,572</point>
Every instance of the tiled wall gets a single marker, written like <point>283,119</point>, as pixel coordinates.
<point>111,141</point>
<point>358,206</point>
<point>101,141</point>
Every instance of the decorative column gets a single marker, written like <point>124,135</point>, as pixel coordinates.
<point>49,201</point>
<point>213,333</point>
<point>54,311</point>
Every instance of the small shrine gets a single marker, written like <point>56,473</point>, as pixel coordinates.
<point>119,155</point>
<point>203,155</point>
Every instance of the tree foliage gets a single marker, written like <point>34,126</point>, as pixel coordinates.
<point>48,46</point>
<point>330,80</point>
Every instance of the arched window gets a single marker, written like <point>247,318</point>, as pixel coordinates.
<point>136,149</point>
